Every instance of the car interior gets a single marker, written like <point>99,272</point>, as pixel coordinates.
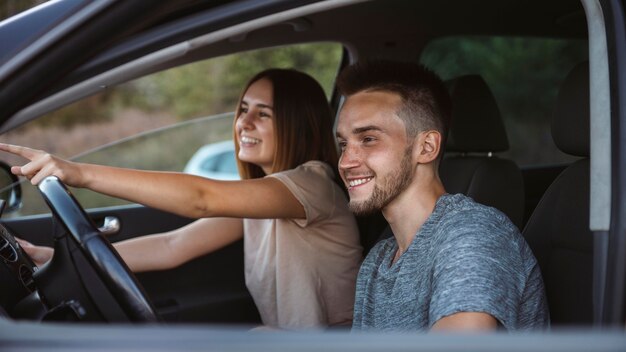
<point>549,202</point>
<point>471,165</point>
<point>558,231</point>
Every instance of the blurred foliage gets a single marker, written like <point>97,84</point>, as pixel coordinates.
<point>202,88</point>
<point>524,75</point>
<point>92,109</point>
<point>319,60</point>
<point>9,8</point>
<point>514,68</point>
<point>213,86</point>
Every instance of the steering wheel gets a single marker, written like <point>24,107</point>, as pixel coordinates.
<point>99,252</point>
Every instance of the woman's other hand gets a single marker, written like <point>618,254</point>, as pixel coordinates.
<point>39,254</point>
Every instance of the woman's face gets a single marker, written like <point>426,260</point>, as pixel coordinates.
<point>255,125</point>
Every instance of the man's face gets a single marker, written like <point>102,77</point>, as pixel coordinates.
<point>375,163</point>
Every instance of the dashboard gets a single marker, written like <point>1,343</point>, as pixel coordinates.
<point>16,271</point>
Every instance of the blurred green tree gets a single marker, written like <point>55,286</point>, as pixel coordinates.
<point>524,75</point>
<point>213,86</point>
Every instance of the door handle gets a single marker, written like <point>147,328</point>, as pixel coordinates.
<point>110,226</point>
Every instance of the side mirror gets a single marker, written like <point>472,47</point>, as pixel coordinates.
<point>10,188</point>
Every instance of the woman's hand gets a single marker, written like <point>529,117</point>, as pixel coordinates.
<point>43,164</point>
<point>39,254</point>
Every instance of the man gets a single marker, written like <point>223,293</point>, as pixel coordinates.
<point>452,263</point>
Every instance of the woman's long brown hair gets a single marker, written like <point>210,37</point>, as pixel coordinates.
<point>302,120</point>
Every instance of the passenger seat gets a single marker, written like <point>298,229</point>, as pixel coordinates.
<point>558,230</point>
<point>470,165</point>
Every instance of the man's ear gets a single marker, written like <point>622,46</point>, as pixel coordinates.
<point>428,144</point>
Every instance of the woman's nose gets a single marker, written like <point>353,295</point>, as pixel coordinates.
<point>245,121</point>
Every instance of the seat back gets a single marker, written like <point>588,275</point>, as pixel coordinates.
<point>470,165</point>
<point>558,230</point>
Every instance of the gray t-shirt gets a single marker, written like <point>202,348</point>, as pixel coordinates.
<point>466,257</point>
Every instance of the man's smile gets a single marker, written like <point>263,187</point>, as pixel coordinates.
<point>359,181</point>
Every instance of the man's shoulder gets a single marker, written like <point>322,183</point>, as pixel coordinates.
<point>464,222</point>
<point>461,213</point>
<point>460,205</point>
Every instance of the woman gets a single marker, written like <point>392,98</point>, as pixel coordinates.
<point>301,243</point>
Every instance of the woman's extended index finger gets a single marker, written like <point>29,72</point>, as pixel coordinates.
<point>24,152</point>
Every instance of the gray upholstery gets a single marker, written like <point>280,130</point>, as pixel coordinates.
<point>570,122</point>
<point>558,230</point>
<point>476,122</point>
<point>476,131</point>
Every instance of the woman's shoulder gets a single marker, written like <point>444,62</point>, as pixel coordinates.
<point>313,184</point>
<point>316,165</point>
<point>310,181</point>
<point>312,169</point>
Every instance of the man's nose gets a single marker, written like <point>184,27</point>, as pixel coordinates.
<point>349,158</point>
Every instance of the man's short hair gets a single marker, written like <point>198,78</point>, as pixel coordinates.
<point>426,102</point>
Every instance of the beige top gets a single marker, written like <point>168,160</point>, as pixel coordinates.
<point>302,272</point>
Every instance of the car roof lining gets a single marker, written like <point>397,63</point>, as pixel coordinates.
<point>82,14</point>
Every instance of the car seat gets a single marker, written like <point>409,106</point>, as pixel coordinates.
<point>476,133</point>
<point>558,230</point>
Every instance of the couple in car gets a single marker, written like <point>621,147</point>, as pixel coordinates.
<point>451,263</point>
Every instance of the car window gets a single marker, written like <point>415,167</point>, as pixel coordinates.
<point>524,75</point>
<point>160,121</point>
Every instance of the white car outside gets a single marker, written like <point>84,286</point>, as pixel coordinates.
<point>215,160</point>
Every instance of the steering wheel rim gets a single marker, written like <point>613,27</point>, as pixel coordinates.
<point>112,270</point>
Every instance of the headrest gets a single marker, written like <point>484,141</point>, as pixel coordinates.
<point>570,120</point>
<point>476,124</point>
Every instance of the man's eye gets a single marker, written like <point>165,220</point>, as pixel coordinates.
<point>368,139</point>
<point>342,145</point>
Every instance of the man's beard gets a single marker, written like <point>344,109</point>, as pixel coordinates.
<point>390,187</point>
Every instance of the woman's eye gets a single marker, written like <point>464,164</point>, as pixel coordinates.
<point>243,111</point>
<point>264,114</point>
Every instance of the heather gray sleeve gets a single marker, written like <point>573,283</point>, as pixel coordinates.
<point>478,268</point>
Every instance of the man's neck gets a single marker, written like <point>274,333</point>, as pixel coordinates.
<point>407,213</point>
